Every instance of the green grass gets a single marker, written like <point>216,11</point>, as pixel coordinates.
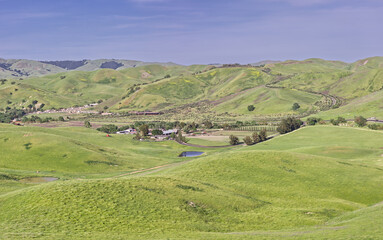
<point>367,106</point>
<point>80,88</point>
<point>269,101</point>
<point>79,152</point>
<point>299,185</point>
<point>220,141</point>
<point>212,85</point>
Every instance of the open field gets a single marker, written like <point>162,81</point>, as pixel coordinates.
<point>317,182</point>
<point>74,152</point>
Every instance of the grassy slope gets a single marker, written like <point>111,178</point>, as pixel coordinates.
<point>78,152</point>
<point>339,79</point>
<point>248,189</point>
<point>367,106</point>
<point>269,101</point>
<point>211,85</point>
<point>79,88</point>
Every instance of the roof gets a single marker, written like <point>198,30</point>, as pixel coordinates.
<point>170,131</point>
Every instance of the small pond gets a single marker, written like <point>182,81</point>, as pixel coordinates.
<point>190,154</point>
<point>38,179</point>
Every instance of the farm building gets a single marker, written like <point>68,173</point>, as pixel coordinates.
<point>127,131</point>
<point>169,132</point>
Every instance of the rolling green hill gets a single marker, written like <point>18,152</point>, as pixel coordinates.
<point>300,185</point>
<point>76,152</point>
<point>316,85</point>
<point>80,88</point>
<point>211,85</point>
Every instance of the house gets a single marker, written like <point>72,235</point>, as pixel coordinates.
<point>169,132</point>
<point>127,131</point>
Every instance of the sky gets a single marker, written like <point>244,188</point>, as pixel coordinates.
<point>191,31</point>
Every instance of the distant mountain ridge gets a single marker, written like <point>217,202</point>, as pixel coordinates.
<point>20,68</point>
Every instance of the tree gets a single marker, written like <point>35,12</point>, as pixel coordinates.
<point>109,128</point>
<point>373,126</point>
<point>34,102</point>
<point>173,135</point>
<point>233,140</point>
<point>30,106</point>
<point>360,121</point>
<point>250,108</point>
<point>181,138</point>
<point>137,136</point>
<point>248,141</point>
<point>157,132</point>
<point>41,106</point>
<point>208,124</point>
<point>289,124</point>
<point>106,107</point>
<point>144,129</point>
<point>313,120</point>
<point>256,138</point>
<point>263,135</point>
<point>341,120</point>
<point>87,124</point>
<point>334,122</point>
<point>296,106</point>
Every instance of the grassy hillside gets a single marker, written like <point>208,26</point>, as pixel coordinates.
<point>269,101</point>
<point>80,88</point>
<point>368,106</point>
<point>211,85</point>
<point>78,152</point>
<point>339,79</point>
<point>290,186</point>
<point>210,90</point>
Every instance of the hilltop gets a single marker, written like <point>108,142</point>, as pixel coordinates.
<point>21,68</point>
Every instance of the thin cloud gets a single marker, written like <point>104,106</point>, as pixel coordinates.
<point>29,15</point>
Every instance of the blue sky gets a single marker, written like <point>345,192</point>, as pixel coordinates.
<point>191,31</point>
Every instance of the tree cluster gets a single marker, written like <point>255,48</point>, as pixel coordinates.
<point>375,126</point>
<point>256,137</point>
<point>289,124</point>
<point>109,128</point>
<point>360,121</point>
<point>233,140</point>
<point>313,120</point>
<point>10,114</point>
<point>338,121</point>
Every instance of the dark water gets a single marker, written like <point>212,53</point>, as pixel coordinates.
<point>38,179</point>
<point>191,154</point>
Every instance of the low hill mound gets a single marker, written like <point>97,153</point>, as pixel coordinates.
<point>242,190</point>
